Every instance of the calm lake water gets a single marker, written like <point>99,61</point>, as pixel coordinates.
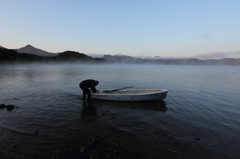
<point>200,118</point>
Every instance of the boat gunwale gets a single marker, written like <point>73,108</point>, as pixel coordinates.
<point>158,92</point>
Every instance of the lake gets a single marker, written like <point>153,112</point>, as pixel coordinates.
<point>198,119</point>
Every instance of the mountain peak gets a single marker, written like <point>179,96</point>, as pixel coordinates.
<point>32,50</point>
<point>29,46</point>
<point>2,47</point>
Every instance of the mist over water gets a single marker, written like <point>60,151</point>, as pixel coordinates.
<point>198,119</point>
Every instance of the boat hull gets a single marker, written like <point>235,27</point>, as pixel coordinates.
<point>131,95</point>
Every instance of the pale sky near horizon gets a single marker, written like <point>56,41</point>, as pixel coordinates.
<point>167,28</point>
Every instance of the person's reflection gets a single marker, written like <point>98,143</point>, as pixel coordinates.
<point>88,111</point>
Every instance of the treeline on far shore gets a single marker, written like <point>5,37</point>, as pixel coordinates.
<point>9,55</point>
<point>12,56</point>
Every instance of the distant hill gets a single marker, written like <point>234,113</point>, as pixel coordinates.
<point>10,55</point>
<point>32,54</point>
<point>218,55</point>
<point>70,56</point>
<point>190,61</point>
<point>35,51</point>
<point>121,59</point>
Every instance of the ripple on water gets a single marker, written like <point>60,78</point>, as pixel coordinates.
<point>200,113</point>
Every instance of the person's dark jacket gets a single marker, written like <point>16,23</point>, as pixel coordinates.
<point>88,84</point>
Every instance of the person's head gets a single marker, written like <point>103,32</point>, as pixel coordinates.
<point>96,83</point>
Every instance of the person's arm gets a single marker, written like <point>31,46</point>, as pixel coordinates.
<point>93,88</point>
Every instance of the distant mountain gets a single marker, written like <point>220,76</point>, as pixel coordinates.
<point>32,50</point>
<point>218,55</point>
<point>2,47</point>
<point>121,59</point>
<point>177,61</point>
<point>135,57</point>
<point>72,55</point>
<point>160,57</point>
<point>95,55</point>
<point>10,55</point>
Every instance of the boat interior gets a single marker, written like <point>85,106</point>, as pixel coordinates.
<point>132,91</point>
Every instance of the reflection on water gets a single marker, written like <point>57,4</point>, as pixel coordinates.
<point>198,119</point>
<point>88,111</point>
<point>145,105</point>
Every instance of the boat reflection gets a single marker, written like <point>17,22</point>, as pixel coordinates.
<point>146,105</point>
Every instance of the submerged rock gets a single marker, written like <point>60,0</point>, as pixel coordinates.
<point>10,107</point>
<point>197,138</point>
<point>2,106</point>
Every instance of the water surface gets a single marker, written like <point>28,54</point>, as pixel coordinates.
<point>198,119</point>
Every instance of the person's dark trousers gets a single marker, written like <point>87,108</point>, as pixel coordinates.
<point>86,91</point>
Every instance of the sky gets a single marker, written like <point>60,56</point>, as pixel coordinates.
<point>166,28</point>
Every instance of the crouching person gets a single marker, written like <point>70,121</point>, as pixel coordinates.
<point>85,86</point>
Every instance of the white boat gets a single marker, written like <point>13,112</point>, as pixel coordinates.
<point>131,95</point>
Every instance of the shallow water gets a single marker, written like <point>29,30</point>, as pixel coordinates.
<point>198,119</point>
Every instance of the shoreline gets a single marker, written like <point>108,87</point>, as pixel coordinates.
<point>116,144</point>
